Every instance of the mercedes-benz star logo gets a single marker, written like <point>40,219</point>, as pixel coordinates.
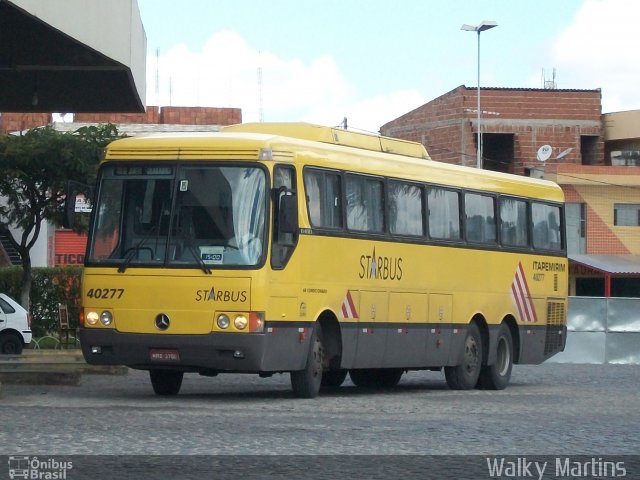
<point>162,321</point>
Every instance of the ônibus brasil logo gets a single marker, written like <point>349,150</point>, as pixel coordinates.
<point>24,467</point>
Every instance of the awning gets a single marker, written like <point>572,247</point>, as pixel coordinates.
<point>609,264</point>
<point>71,56</point>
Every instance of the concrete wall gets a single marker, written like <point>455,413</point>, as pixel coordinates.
<point>602,330</point>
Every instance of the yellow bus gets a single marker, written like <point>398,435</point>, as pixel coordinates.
<point>319,252</point>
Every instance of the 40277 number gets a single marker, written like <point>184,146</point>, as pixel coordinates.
<point>107,293</point>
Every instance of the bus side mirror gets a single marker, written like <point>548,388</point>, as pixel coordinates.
<point>288,213</point>
<point>77,199</point>
<point>69,216</point>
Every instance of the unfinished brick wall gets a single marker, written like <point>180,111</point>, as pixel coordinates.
<point>16,122</point>
<point>567,120</point>
<point>200,116</point>
<point>152,115</point>
<point>12,122</point>
<point>168,115</point>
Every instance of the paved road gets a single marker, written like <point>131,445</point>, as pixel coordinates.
<point>554,409</point>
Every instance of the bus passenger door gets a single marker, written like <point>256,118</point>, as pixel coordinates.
<point>372,329</point>
<point>439,329</point>
<point>284,309</point>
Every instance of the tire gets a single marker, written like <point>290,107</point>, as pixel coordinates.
<point>166,382</point>
<point>333,378</point>
<point>496,376</point>
<point>10,344</point>
<point>465,375</point>
<point>376,377</point>
<point>306,382</point>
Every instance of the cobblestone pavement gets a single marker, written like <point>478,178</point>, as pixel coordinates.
<point>553,409</point>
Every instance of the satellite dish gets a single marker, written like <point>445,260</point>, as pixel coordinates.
<point>564,153</point>
<point>544,153</point>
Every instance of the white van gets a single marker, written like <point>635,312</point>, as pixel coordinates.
<point>15,326</point>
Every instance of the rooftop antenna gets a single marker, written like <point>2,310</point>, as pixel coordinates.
<point>157,77</point>
<point>170,91</point>
<point>549,84</point>
<point>260,104</point>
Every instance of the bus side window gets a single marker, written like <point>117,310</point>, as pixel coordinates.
<point>283,244</point>
<point>514,231</point>
<point>324,198</point>
<point>444,214</point>
<point>546,226</point>
<point>405,209</point>
<point>365,205</point>
<point>480,218</point>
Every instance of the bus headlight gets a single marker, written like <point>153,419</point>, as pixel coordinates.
<point>240,322</point>
<point>92,317</point>
<point>106,318</point>
<point>223,321</point>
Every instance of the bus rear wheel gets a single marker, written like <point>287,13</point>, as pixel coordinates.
<point>376,377</point>
<point>464,376</point>
<point>497,376</point>
<point>306,383</point>
<point>166,382</point>
<point>333,378</point>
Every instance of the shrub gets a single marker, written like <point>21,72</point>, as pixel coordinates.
<point>50,287</point>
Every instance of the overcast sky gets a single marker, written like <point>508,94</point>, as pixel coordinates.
<point>373,60</point>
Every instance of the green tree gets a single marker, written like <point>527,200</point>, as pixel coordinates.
<point>34,172</point>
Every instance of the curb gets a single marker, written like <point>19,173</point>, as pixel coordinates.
<point>51,367</point>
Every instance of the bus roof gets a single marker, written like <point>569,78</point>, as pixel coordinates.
<point>327,147</point>
<point>335,136</point>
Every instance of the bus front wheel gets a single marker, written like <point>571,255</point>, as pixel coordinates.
<point>166,382</point>
<point>306,383</point>
<point>496,376</point>
<point>464,376</point>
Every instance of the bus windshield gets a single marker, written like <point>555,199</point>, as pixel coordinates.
<point>180,216</point>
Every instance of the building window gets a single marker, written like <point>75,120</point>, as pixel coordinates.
<point>576,227</point>
<point>626,214</point>
<point>589,149</point>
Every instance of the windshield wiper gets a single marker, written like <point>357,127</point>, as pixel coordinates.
<point>132,251</point>
<point>195,254</point>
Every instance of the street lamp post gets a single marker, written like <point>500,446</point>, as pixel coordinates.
<point>484,25</point>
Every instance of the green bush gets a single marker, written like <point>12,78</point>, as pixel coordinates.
<point>50,287</point>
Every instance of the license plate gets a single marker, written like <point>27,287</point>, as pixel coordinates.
<point>164,355</point>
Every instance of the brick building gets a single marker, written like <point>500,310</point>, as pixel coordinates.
<point>516,124</point>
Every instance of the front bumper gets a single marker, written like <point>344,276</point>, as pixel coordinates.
<point>284,350</point>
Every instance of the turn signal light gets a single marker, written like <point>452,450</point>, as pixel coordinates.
<point>256,322</point>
